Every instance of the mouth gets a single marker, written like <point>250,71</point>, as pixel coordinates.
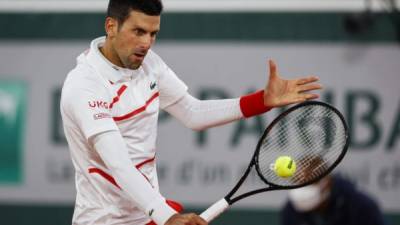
<point>139,55</point>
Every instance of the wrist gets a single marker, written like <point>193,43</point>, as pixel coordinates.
<point>160,212</point>
<point>253,104</point>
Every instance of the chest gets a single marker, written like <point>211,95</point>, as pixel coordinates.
<point>134,99</point>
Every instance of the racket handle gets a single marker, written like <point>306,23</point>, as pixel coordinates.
<point>215,210</point>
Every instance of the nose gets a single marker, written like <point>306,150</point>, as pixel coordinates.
<point>146,41</point>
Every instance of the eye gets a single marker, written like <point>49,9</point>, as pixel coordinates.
<point>153,34</point>
<point>139,32</point>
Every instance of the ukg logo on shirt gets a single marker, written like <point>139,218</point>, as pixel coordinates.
<point>12,123</point>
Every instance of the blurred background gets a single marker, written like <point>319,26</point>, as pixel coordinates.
<point>220,49</point>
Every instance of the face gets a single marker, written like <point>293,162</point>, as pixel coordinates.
<point>312,197</point>
<point>131,40</point>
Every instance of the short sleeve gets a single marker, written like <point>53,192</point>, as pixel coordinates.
<point>88,109</point>
<point>171,88</point>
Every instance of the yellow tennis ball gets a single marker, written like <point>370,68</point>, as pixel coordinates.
<point>284,166</point>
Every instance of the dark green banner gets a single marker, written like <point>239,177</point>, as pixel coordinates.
<point>216,26</point>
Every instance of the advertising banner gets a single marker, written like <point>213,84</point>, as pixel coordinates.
<point>12,124</point>
<point>199,168</point>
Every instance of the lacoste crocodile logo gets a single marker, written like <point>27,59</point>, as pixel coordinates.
<point>151,212</point>
<point>153,85</point>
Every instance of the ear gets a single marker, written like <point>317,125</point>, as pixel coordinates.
<point>111,27</point>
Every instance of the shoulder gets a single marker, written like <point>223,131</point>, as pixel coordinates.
<point>153,57</point>
<point>154,63</point>
<point>81,83</point>
<point>366,202</point>
<point>357,198</point>
<point>368,207</point>
<point>79,79</point>
<point>81,73</point>
<point>84,75</point>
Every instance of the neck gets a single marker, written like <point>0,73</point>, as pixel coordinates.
<point>110,54</point>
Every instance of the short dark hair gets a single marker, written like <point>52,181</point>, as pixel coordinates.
<point>120,9</point>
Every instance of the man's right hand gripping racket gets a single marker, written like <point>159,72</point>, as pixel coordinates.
<point>313,134</point>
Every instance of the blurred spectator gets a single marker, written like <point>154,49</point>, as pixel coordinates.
<point>331,201</point>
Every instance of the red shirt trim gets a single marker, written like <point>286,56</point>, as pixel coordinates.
<point>119,93</point>
<point>112,180</point>
<point>145,162</point>
<point>137,111</point>
<point>104,175</point>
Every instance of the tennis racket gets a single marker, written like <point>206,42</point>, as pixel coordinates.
<point>314,134</point>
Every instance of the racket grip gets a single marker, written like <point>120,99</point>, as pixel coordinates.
<point>215,210</point>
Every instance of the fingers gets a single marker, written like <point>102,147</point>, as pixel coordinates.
<point>309,96</point>
<point>272,69</point>
<point>200,221</point>
<point>186,219</point>
<point>195,219</point>
<point>307,80</point>
<point>304,85</point>
<point>309,87</point>
<point>303,97</point>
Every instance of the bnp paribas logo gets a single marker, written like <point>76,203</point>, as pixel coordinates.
<point>12,124</point>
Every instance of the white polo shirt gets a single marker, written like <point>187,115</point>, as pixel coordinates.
<point>97,97</point>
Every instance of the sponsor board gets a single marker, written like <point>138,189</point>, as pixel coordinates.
<point>361,81</point>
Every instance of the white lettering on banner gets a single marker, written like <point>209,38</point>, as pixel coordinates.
<point>198,168</point>
<point>59,171</point>
<point>8,107</point>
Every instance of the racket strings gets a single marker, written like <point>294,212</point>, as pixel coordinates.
<point>313,136</point>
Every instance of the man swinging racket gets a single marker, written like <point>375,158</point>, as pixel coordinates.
<point>110,104</point>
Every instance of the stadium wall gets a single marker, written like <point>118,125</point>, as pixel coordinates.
<point>218,54</point>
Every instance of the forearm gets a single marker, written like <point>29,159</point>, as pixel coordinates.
<point>201,114</point>
<point>113,152</point>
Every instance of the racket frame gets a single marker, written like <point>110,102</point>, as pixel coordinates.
<point>223,204</point>
<point>254,159</point>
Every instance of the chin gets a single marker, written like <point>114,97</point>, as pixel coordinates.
<point>135,66</point>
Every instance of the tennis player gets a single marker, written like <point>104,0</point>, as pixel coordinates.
<point>110,104</point>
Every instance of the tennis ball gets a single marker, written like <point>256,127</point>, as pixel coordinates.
<point>284,166</point>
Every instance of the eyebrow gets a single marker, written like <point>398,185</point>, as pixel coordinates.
<point>142,29</point>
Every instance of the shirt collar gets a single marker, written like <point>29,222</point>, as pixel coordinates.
<point>106,68</point>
